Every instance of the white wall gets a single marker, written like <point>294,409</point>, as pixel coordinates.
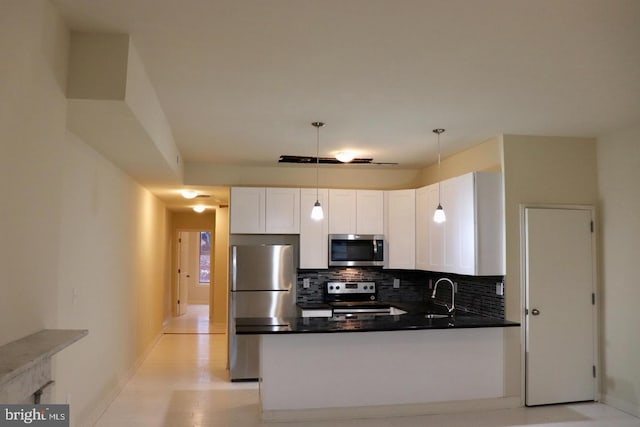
<point>83,245</point>
<point>619,234</point>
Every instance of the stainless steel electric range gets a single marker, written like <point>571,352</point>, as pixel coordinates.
<point>355,300</point>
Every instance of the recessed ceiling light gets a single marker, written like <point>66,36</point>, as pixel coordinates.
<point>189,194</point>
<point>346,156</point>
<point>199,208</point>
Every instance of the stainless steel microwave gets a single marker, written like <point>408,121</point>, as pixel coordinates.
<point>356,250</point>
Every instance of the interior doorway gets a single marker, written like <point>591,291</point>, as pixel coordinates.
<point>193,273</point>
<point>560,326</point>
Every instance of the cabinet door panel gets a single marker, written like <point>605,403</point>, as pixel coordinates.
<point>369,212</point>
<point>247,210</point>
<point>342,211</point>
<point>314,248</point>
<point>400,224</point>
<point>283,210</point>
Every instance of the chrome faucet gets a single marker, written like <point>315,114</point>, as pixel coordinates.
<point>453,293</point>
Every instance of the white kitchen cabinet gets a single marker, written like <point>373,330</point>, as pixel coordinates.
<point>342,211</point>
<point>282,211</point>
<point>356,212</point>
<point>429,235</point>
<point>257,210</point>
<point>314,242</point>
<point>400,225</point>
<point>247,210</point>
<point>471,240</point>
<point>369,212</point>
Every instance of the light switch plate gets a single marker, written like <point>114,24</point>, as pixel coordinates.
<point>305,283</point>
<point>396,283</point>
<point>500,288</point>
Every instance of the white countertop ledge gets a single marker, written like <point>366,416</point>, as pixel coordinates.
<point>18,356</point>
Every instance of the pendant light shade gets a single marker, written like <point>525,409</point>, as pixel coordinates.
<point>439,216</point>
<point>316,213</point>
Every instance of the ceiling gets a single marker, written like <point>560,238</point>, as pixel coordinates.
<point>240,81</point>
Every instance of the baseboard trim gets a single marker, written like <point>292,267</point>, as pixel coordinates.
<point>108,396</point>
<point>385,411</point>
<point>621,404</point>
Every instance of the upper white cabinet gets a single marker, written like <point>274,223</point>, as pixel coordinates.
<point>400,225</point>
<point>342,211</point>
<point>265,210</point>
<point>356,212</point>
<point>282,211</point>
<point>369,212</point>
<point>314,242</point>
<point>471,240</point>
<point>429,235</point>
<point>247,210</point>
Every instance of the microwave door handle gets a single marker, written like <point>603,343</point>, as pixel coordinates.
<point>375,246</point>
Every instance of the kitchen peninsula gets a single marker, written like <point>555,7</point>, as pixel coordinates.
<point>382,365</point>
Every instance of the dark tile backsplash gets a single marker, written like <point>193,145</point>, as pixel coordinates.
<point>475,294</point>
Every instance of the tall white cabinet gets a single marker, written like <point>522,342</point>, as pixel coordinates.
<point>399,225</point>
<point>314,235</point>
<point>471,240</point>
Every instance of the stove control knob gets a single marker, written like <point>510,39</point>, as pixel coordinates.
<point>337,288</point>
<point>372,297</point>
<point>330,288</point>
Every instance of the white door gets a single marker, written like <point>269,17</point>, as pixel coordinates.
<point>560,332</point>
<point>183,273</point>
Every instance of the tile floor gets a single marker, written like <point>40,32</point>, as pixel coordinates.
<point>195,321</point>
<point>184,382</point>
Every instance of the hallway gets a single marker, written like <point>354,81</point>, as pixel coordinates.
<point>183,382</point>
<point>195,321</point>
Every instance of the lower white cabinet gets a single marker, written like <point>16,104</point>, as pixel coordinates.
<point>314,235</point>
<point>400,224</point>
<point>471,240</point>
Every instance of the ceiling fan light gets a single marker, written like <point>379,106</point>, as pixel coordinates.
<point>346,156</point>
<point>189,194</point>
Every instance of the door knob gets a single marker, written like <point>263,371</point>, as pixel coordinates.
<point>535,312</point>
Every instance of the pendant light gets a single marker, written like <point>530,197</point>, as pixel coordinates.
<point>316,213</point>
<point>438,216</point>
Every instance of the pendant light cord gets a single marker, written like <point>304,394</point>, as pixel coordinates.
<point>317,162</point>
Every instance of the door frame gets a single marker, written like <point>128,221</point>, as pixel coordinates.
<point>176,258</point>
<point>523,293</point>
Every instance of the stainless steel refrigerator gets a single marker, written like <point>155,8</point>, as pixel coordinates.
<point>262,291</point>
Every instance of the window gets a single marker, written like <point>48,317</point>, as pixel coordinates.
<point>205,258</point>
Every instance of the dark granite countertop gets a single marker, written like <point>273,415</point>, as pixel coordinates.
<point>415,319</point>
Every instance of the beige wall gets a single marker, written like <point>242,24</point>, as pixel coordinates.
<point>537,170</point>
<point>84,246</point>
<point>354,176</point>
<point>486,156</point>
<point>220,284</point>
<point>619,236</point>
